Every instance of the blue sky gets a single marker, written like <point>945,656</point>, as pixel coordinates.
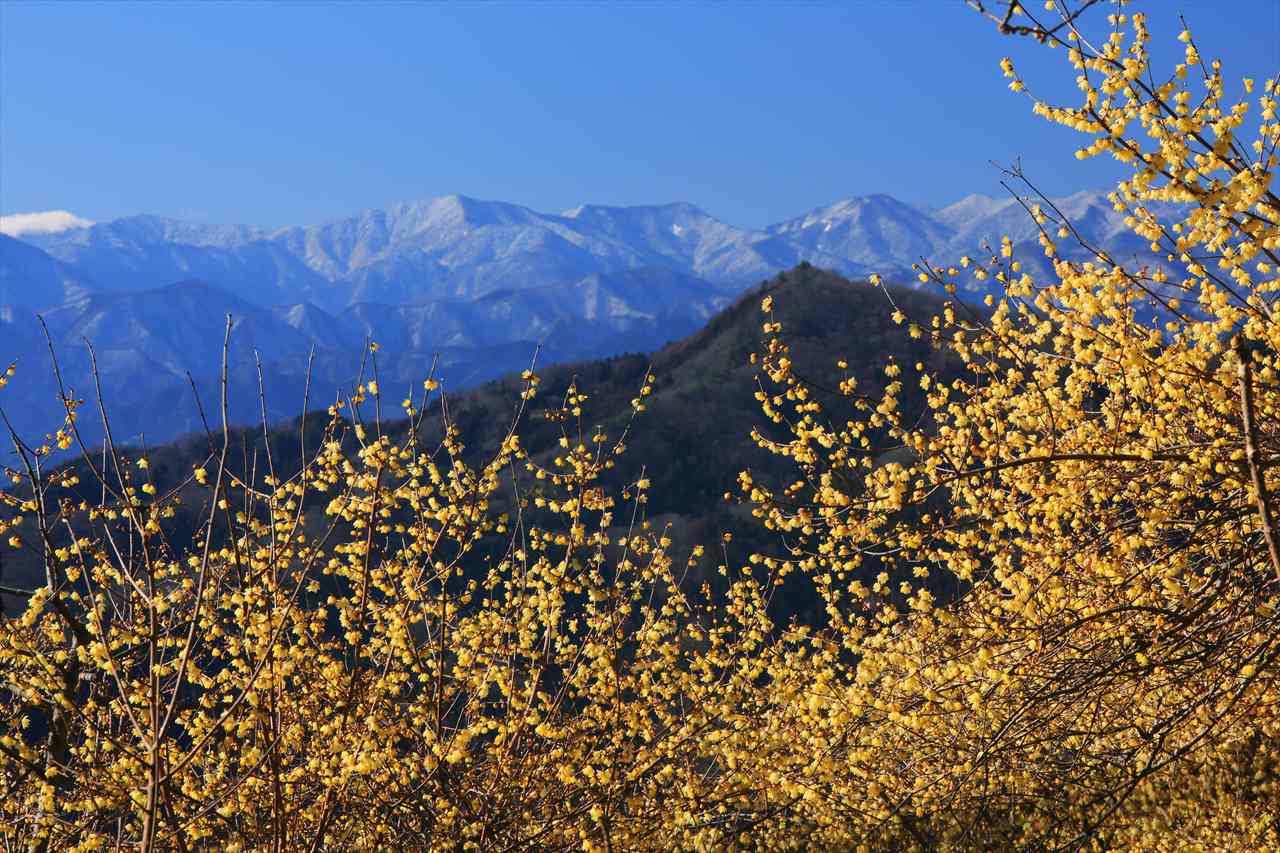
<point>299,112</point>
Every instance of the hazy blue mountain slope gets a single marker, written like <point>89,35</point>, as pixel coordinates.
<point>148,342</point>
<point>145,252</point>
<point>639,309</point>
<point>31,278</point>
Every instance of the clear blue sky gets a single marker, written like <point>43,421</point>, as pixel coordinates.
<point>298,112</point>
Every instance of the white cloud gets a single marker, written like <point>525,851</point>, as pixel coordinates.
<point>46,222</point>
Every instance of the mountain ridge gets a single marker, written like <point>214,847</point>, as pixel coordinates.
<point>456,246</point>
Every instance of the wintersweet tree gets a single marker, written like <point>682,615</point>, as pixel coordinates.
<point>1103,483</point>
<point>366,653</point>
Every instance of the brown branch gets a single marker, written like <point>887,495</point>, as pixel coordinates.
<point>1252,459</point>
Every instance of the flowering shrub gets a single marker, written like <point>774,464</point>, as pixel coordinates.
<point>393,646</point>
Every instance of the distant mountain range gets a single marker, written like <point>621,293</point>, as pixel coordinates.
<point>479,285</point>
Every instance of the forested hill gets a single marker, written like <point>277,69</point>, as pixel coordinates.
<point>694,435</point>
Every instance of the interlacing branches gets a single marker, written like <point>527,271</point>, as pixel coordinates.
<point>1050,623</point>
<point>1102,485</point>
